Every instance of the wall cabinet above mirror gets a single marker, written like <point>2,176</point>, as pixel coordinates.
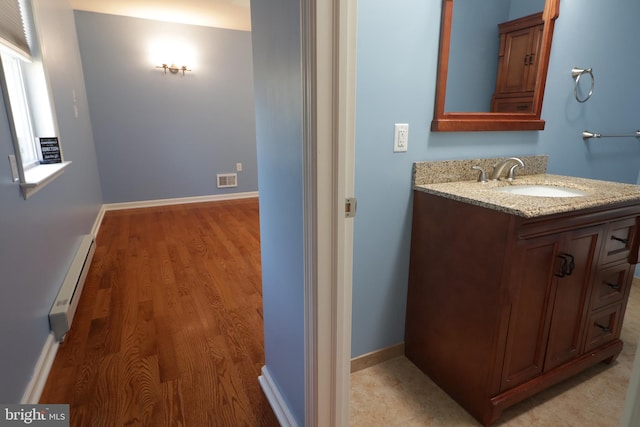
<point>492,64</point>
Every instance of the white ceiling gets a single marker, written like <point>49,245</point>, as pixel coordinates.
<point>230,14</point>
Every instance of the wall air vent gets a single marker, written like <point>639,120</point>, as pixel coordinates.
<point>226,180</point>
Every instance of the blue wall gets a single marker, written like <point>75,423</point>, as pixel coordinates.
<point>521,8</point>
<point>473,56</point>
<point>278,100</point>
<point>589,33</point>
<point>40,235</point>
<point>167,136</point>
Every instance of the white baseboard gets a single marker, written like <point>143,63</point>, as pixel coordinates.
<point>277,402</point>
<point>98,222</point>
<point>41,371</point>
<point>178,201</point>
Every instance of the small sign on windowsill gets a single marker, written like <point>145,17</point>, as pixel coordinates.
<point>50,148</point>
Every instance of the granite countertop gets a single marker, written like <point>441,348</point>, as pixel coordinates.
<point>599,193</point>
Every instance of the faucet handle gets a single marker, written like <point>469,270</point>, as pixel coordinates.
<point>482,177</point>
<point>512,172</point>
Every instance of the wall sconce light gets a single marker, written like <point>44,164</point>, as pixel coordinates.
<point>173,69</point>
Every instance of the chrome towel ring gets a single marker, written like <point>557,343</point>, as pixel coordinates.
<point>576,73</point>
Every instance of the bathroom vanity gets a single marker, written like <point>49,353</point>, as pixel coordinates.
<point>510,294</point>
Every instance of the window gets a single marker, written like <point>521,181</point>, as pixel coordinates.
<point>26,97</point>
<point>20,115</point>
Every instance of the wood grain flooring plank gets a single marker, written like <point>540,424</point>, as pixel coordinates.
<point>146,332</point>
<point>101,304</point>
<point>241,376</point>
<point>81,416</point>
<point>144,385</point>
<point>167,357</point>
<point>171,411</point>
<point>107,410</point>
<point>85,382</point>
<point>96,346</point>
<point>142,278</point>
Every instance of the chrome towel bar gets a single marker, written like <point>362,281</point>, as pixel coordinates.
<point>588,135</point>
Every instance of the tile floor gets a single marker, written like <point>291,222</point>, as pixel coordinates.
<point>395,393</point>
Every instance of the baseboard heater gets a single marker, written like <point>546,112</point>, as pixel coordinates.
<point>64,307</point>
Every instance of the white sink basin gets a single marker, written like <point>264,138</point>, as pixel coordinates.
<point>541,191</point>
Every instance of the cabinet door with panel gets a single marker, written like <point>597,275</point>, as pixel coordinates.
<point>549,290</point>
<point>520,42</point>
<point>517,64</point>
<point>572,277</point>
<point>530,290</point>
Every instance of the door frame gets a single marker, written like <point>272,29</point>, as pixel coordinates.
<point>328,46</point>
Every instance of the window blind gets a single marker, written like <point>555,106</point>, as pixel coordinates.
<point>14,34</point>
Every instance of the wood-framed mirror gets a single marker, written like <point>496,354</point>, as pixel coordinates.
<point>500,86</point>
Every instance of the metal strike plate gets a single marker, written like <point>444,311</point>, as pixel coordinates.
<point>350,207</point>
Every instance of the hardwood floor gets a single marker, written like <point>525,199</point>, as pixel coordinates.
<point>169,328</point>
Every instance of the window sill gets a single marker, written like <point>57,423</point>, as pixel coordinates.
<point>39,176</point>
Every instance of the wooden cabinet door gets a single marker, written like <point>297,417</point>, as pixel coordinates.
<point>535,37</point>
<point>548,303</point>
<point>570,305</point>
<point>518,63</point>
<point>530,291</point>
<point>517,47</point>
<point>520,67</point>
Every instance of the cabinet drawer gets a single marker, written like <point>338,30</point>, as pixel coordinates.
<point>611,285</point>
<point>618,240</point>
<point>513,105</point>
<point>603,326</point>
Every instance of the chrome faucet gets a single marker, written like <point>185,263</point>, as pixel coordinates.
<point>501,166</point>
